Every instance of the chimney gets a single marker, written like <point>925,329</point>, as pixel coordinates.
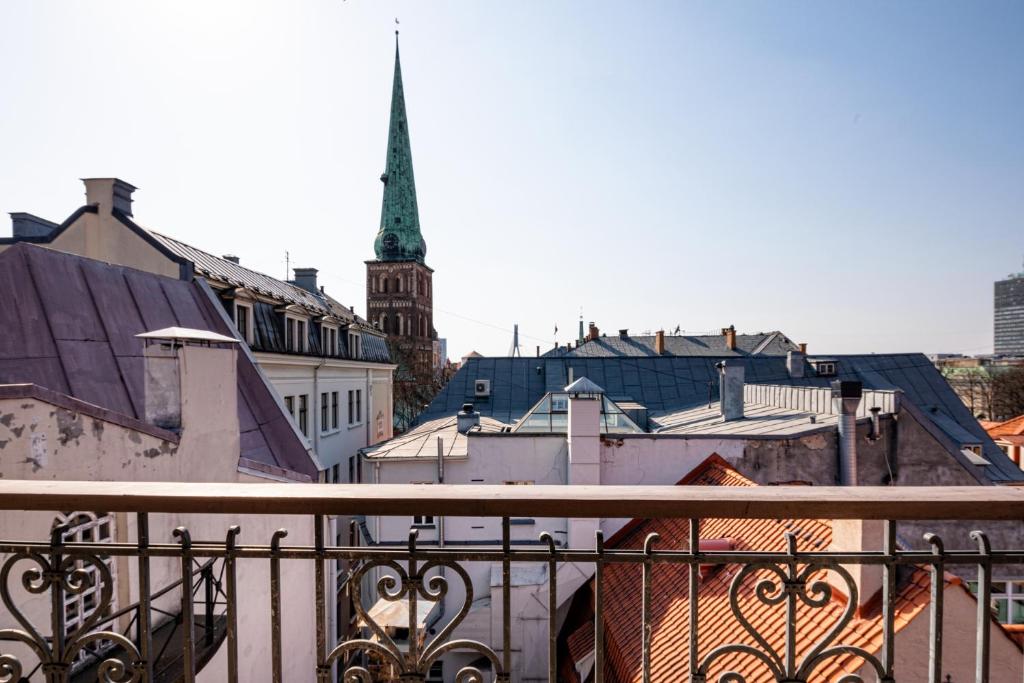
<point>467,418</point>
<point>855,536</point>
<point>306,278</point>
<point>730,388</point>
<point>803,348</point>
<point>623,334</point>
<point>191,386</point>
<point>593,332</point>
<point>25,225</point>
<point>795,363</point>
<point>583,439</point>
<point>845,399</point>
<point>730,337</point>
<point>232,258</point>
<point>659,342</point>
<point>109,194</point>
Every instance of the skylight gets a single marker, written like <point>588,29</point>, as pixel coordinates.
<point>551,415</point>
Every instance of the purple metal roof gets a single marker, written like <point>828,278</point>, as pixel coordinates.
<point>68,323</point>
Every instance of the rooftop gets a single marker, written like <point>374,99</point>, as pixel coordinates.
<point>758,344</point>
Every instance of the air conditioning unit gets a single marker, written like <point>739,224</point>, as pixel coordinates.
<point>482,388</point>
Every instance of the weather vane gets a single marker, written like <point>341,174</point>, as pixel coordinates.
<point>396,24</point>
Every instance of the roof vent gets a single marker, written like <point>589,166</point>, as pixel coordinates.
<point>481,388</point>
<point>623,334</point>
<point>467,418</point>
<point>232,258</point>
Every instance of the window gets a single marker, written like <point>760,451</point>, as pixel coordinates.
<point>324,408</point>
<point>289,405</point>
<point>242,322</point>
<point>398,323</point>
<point>354,340</point>
<point>1007,600</point>
<point>289,334</point>
<point>300,339</point>
<point>355,406</point>
<point>334,410</point>
<point>88,527</point>
<point>304,414</point>
<point>423,520</point>
<point>825,368</point>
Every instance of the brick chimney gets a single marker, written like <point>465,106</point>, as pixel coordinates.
<point>803,348</point>
<point>593,332</point>
<point>659,342</point>
<point>730,337</point>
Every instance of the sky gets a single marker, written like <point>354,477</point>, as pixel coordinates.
<point>851,174</point>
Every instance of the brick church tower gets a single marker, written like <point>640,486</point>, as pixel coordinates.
<point>399,287</point>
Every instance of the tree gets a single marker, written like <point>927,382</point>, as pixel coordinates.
<point>974,387</point>
<point>1008,394</point>
<point>416,382</point>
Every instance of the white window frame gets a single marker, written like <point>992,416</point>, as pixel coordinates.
<point>355,342</point>
<point>247,333</point>
<point>1010,594</point>
<point>355,407</point>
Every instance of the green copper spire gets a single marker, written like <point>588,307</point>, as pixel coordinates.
<point>399,238</point>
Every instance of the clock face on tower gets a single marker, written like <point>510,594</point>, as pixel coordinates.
<point>390,244</point>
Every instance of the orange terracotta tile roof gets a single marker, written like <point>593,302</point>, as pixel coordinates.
<point>1012,427</point>
<point>717,624</point>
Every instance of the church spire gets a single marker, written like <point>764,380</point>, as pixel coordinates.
<point>399,237</point>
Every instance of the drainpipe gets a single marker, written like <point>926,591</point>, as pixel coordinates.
<point>845,399</point>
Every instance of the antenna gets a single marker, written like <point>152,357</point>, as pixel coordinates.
<point>287,267</point>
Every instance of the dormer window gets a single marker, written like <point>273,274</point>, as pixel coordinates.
<point>295,337</point>
<point>354,342</point>
<point>824,368</point>
<point>329,339</point>
<point>243,321</point>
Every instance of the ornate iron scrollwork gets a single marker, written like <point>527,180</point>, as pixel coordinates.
<point>413,584</point>
<point>63,573</point>
<point>790,584</point>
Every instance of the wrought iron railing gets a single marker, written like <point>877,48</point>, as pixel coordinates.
<point>790,578</point>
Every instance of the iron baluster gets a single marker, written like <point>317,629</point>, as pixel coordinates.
<point>231,598</point>
<point>552,607</point>
<point>275,604</point>
<point>694,575</point>
<point>599,609</point>
<point>506,595</point>
<point>935,621</point>
<point>645,609</point>
<point>323,670</point>
<point>144,617</point>
<point>187,612</point>
<point>889,599</point>
<point>984,605</point>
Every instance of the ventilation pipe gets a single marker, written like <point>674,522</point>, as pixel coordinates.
<point>730,388</point>
<point>467,418</point>
<point>845,400</point>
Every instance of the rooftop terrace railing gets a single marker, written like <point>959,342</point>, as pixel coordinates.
<point>790,578</point>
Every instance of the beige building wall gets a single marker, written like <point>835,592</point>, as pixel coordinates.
<point>42,440</point>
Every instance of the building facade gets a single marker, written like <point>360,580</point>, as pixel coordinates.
<point>1009,316</point>
<point>399,283</point>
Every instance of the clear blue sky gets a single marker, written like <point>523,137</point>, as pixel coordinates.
<point>850,173</point>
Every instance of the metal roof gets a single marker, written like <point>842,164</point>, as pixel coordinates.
<point>758,420</point>
<point>421,441</point>
<point>70,324</point>
<point>760,344</point>
<point>666,384</point>
<point>583,386</point>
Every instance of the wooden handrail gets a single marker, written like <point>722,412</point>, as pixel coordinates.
<point>779,502</point>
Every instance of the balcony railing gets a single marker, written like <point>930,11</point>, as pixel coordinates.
<point>53,567</point>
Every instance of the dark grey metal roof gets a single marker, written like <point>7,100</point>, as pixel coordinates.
<point>671,383</point>
<point>762,343</point>
<point>70,323</point>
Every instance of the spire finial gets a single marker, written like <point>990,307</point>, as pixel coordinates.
<point>396,24</point>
